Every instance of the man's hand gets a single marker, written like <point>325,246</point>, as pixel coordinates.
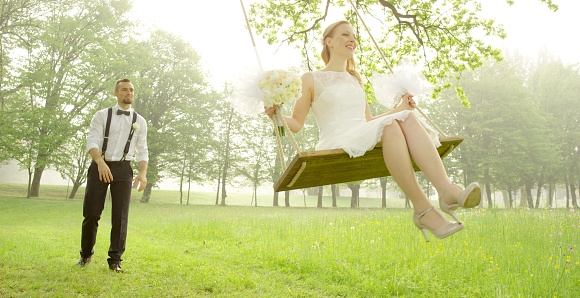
<point>140,181</point>
<point>105,174</point>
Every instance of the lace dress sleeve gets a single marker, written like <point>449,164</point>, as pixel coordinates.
<point>318,85</point>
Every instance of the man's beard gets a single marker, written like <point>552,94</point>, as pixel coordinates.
<point>128,101</point>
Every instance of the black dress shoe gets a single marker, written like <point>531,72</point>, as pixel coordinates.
<point>115,267</point>
<point>84,261</point>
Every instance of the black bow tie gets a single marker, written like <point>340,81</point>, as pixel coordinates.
<point>121,112</point>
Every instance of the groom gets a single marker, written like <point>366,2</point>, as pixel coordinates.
<point>117,136</point>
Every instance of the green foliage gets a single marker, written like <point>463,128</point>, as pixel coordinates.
<point>72,61</point>
<point>514,130</point>
<point>68,58</point>
<point>172,95</point>
<point>556,87</point>
<point>441,33</point>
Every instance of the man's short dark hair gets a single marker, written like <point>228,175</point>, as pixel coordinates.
<point>121,81</point>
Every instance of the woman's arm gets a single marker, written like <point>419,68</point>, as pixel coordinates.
<point>406,104</point>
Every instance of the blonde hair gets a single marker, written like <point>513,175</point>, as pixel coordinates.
<point>325,54</point>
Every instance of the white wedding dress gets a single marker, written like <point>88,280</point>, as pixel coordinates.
<point>339,109</point>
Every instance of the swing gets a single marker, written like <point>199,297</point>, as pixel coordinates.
<point>325,167</point>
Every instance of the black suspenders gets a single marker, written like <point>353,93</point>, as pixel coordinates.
<point>107,128</point>
<point>130,135</point>
<point>106,139</point>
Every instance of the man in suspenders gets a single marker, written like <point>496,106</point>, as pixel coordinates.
<point>117,136</point>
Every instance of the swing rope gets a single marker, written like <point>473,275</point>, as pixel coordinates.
<point>278,120</point>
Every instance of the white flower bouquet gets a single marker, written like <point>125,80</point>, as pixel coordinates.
<point>279,87</point>
<point>262,89</point>
<point>135,126</point>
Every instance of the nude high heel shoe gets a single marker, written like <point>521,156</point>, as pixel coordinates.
<point>467,198</point>
<point>446,230</point>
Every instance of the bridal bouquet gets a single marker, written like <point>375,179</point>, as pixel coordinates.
<point>280,86</point>
<point>261,89</point>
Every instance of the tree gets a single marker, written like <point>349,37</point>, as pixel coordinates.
<point>75,162</point>
<point>17,17</point>
<point>69,61</point>
<point>171,88</point>
<point>258,153</point>
<point>556,88</point>
<point>508,142</point>
<point>441,33</point>
<point>188,157</point>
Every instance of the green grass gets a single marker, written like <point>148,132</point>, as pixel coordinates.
<point>240,251</point>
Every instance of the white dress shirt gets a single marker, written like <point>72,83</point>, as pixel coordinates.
<point>118,135</point>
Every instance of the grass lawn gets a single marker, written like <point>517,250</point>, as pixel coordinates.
<point>241,251</point>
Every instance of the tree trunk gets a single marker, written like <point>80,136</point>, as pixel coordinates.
<point>217,193</point>
<point>35,186</point>
<point>550,198</point>
<point>153,177</point>
<point>539,191</point>
<point>506,199</point>
<point>223,182</point>
<point>226,157</point>
<point>287,198</point>
<point>383,181</point>
<point>355,189</point>
<point>487,188</point>
<point>74,190</point>
<point>181,190</point>
<point>573,195</point>
<point>80,178</point>
<point>523,199</point>
<point>29,187</point>
<point>188,190</point>
<point>147,193</point>
<point>181,182</point>
<point>488,195</point>
<point>275,203</point>
<point>255,195</point>
<point>319,203</point>
<point>334,191</point>
<point>528,188</point>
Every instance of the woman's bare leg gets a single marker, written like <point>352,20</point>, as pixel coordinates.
<point>398,161</point>
<point>426,157</point>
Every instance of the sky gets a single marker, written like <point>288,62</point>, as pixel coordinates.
<point>216,29</point>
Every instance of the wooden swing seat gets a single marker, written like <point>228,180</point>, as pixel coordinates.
<point>324,167</point>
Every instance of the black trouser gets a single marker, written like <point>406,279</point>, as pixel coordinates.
<point>94,202</point>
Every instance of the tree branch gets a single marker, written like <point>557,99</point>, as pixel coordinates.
<point>414,25</point>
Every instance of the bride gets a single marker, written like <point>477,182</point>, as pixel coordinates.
<point>337,99</point>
